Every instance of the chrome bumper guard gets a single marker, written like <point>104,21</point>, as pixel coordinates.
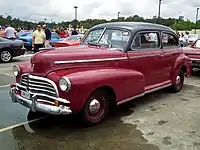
<point>35,105</point>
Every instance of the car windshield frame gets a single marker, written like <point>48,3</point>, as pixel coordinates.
<point>198,41</point>
<point>193,36</point>
<point>101,35</point>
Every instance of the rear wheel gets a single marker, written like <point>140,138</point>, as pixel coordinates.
<point>5,56</point>
<point>96,108</point>
<point>178,82</point>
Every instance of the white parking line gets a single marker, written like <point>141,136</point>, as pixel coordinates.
<point>19,124</point>
<point>2,86</point>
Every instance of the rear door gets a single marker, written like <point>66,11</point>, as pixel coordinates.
<point>172,50</point>
<point>146,56</point>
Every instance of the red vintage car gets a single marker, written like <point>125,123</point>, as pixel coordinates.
<point>193,52</point>
<point>115,63</point>
<point>73,40</point>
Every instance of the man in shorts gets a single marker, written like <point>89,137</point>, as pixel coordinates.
<point>39,38</point>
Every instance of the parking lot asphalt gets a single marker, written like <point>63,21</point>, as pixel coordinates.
<point>158,121</point>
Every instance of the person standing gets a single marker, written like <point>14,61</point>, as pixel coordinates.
<point>48,35</point>
<point>38,38</point>
<point>74,32</point>
<point>10,33</point>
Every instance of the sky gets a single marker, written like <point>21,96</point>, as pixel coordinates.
<point>63,10</point>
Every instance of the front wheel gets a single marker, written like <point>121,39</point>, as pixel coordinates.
<point>178,83</point>
<point>95,109</point>
<point>5,56</point>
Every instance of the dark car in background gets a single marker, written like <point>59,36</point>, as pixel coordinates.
<point>10,49</point>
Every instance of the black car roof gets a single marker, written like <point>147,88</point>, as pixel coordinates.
<point>133,26</point>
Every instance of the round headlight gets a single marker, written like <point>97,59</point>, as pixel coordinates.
<point>16,70</point>
<point>64,84</point>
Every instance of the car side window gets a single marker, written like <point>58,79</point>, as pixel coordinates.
<point>169,40</point>
<point>146,40</point>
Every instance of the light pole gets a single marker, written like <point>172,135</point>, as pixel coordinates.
<point>75,7</point>
<point>118,15</point>
<point>197,14</point>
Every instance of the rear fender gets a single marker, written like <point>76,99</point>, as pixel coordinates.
<point>124,82</point>
<point>181,61</point>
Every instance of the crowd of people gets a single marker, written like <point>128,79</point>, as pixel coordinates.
<point>41,35</point>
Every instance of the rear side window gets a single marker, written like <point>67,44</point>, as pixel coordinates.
<point>169,40</point>
<point>146,40</point>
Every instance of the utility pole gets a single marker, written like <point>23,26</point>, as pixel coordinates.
<point>159,9</point>
<point>75,7</point>
<point>118,15</point>
<point>197,14</point>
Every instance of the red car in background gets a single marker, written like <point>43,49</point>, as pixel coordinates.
<point>73,40</point>
<point>2,33</point>
<point>193,51</point>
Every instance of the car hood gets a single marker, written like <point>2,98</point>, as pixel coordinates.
<point>73,57</point>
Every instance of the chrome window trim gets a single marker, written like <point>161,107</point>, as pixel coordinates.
<point>145,49</point>
<point>89,60</point>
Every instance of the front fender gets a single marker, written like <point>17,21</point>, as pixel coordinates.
<point>126,83</point>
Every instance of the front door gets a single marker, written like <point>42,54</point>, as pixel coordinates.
<point>146,57</point>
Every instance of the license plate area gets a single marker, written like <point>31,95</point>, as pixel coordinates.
<point>25,95</point>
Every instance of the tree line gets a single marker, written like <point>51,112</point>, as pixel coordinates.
<point>176,24</point>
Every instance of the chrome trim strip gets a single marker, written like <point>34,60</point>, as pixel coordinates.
<point>146,92</point>
<point>48,91</point>
<point>145,56</point>
<point>89,60</point>
<point>195,59</point>
<point>41,100</point>
<point>158,88</point>
<point>40,86</point>
<point>129,99</point>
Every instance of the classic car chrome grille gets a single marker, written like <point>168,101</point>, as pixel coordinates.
<point>39,85</point>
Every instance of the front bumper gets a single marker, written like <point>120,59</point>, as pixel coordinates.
<point>18,52</point>
<point>37,106</point>
<point>195,63</point>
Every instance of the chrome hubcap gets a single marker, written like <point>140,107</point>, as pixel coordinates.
<point>5,56</point>
<point>94,106</point>
<point>178,80</point>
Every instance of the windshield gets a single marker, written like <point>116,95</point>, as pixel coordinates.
<point>198,44</point>
<point>74,37</point>
<point>193,36</point>
<point>113,38</point>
